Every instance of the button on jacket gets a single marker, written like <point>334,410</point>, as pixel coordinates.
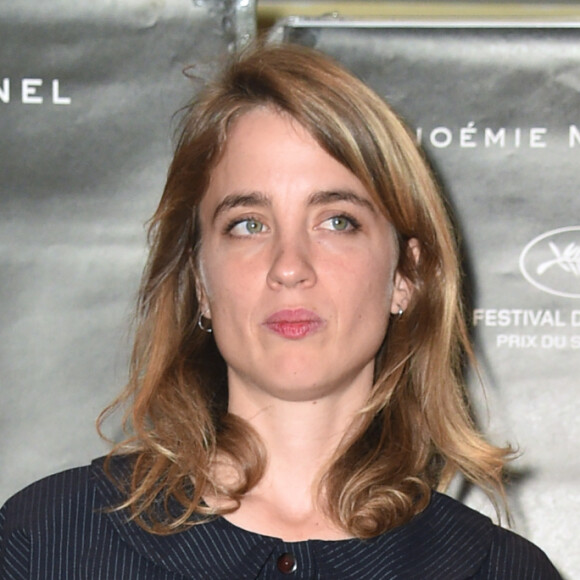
<point>59,529</point>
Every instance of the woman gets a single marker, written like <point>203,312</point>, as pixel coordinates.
<point>295,395</point>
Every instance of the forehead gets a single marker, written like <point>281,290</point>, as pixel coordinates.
<point>270,151</point>
<point>266,127</point>
<point>265,142</point>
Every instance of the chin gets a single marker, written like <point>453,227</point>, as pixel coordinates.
<point>298,393</point>
<point>301,386</point>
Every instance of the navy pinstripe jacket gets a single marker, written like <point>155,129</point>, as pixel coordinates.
<point>56,529</point>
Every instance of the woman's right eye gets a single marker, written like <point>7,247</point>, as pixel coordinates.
<point>246,227</point>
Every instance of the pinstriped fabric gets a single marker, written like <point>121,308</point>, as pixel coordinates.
<point>57,529</point>
<point>509,554</point>
<point>50,528</point>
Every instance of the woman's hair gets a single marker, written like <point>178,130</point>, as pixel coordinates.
<point>415,432</point>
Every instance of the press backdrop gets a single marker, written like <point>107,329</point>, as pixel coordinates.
<point>496,107</point>
<point>88,90</point>
<point>87,93</point>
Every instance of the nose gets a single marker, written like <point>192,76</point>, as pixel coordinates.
<point>292,264</point>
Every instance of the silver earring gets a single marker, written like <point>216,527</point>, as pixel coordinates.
<point>207,329</point>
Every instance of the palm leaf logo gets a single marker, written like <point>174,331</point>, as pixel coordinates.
<point>568,260</point>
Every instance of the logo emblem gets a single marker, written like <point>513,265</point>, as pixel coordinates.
<point>551,262</point>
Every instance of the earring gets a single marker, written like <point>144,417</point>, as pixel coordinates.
<point>207,329</point>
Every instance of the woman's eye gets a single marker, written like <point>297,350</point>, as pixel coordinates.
<point>340,223</point>
<point>246,227</point>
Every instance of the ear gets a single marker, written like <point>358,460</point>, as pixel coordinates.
<point>402,287</point>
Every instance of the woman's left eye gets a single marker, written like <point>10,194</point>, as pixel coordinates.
<point>340,223</point>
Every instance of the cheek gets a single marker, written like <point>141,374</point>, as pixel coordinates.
<point>363,287</point>
<point>377,299</point>
<point>226,284</point>
<point>371,278</point>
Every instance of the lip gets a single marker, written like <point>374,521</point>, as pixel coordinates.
<point>295,323</point>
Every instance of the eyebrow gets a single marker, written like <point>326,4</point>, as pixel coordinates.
<point>256,199</point>
<point>325,197</point>
<point>252,199</point>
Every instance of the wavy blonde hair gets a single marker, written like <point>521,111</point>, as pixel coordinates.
<point>415,432</point>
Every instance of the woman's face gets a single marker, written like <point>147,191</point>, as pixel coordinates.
<point>297,264</point>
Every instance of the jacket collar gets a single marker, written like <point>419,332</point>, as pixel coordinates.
<point>447,540</point>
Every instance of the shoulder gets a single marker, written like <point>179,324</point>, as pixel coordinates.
<point>447,540</point>
<point>48,496</point>
<point>485,549</point>
<point>63,495</point>
<point>60,525</point>
<point>514,557</point>
<point>32,519</point>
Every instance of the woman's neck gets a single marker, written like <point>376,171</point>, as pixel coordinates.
<point>300,438</point>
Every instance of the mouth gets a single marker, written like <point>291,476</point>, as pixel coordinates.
<point>294,324</point>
